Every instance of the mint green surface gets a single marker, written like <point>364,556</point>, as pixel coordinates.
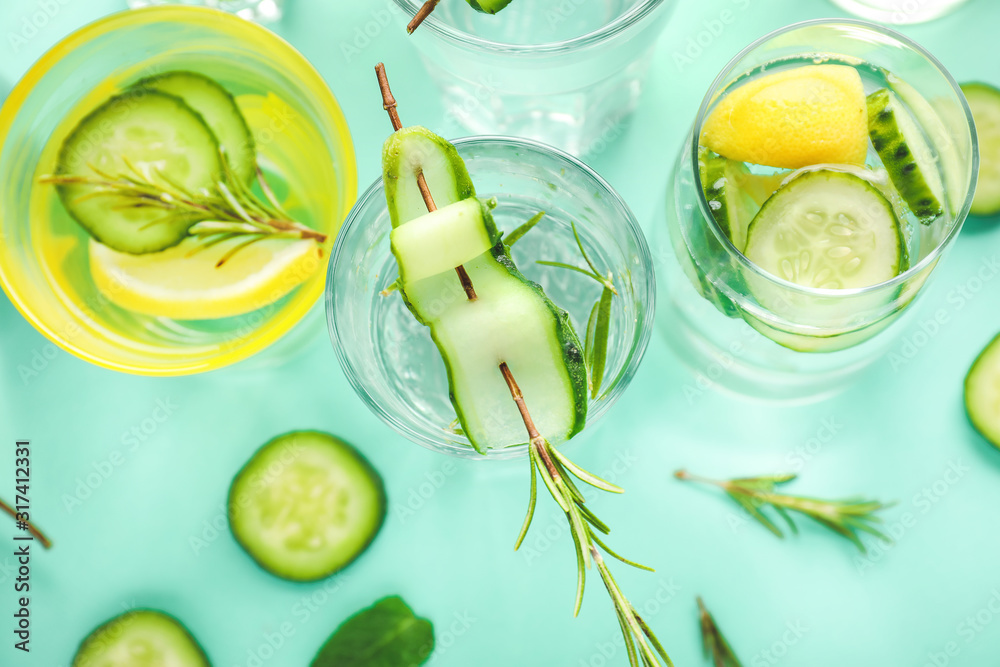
<point>447,543</point>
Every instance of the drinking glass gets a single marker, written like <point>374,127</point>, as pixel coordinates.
<point>899,11</point>
<point>567,74</point>
<point>389,357</point>
<point>740,328</point>
<point>300,133</point>
<point>261,11</point>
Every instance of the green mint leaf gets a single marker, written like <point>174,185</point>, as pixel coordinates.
<point>387,634</point>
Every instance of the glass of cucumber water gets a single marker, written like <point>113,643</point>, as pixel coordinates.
<point>564,73</point>
<point>390,358</point>
<point>147,295</point>
<point>829,169</point>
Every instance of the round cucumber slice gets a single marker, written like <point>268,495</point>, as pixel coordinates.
<point>306,505</point>
<point>827,229</point>
<point>984,100</point>
<point>907,156</point>
<point>216,105</point>
<point>488,6</point>
<point>153,133</point>
<point>982,392</point>
<point>140,638</point>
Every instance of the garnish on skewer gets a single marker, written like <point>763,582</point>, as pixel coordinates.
<point>484,6</point>
<point>713,642</point>
<point>848,518</point>
<point>471,224</point>
<point>25,524</point>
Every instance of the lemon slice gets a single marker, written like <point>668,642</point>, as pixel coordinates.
<point>815,114</point>
<point>184,283</point>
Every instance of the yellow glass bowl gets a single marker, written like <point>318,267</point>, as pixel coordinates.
<point>300,132</point>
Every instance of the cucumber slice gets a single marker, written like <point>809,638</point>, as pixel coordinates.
<point>731,203</point>
<point>439,242</point>
<point>512,320</point>
<point>982,392</point>
<point>218,108</point>
<point>827,229</point>
<point>140,638</point>
<point>306,505</point>
<point>984,100</point>
<point>908,158</point>
<point>414,150</point>
<point>155,133</point>
<point>488,6</point>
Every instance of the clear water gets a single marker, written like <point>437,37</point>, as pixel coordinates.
<point>899,11</point>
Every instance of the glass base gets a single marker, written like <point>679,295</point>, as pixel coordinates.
<point>261,11</point>
<point>899,12</point>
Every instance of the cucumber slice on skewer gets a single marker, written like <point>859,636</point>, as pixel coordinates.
<point>907,156</point>
<point>982,392</point>
<point>306,505</point>
<point>827,229</point>
<point>155,134</point>
<point>488,6</point>
<point>218,108</point>
<point>984,100</point>
<point>140,638</point>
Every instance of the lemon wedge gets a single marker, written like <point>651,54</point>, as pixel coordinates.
<point>794,118</point>
<point>184,283</point>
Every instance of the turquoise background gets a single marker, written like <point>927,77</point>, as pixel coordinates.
<point>894,435</point>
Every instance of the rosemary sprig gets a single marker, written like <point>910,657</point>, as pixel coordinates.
<point>557,473</point>
<point>848,517</point>
<point>230,210</point>
<point>713,642</point>
<point>519,233</point>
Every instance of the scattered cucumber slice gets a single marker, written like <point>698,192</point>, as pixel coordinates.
<point>140,638</point>
<point>216,105</point>
<point>907,157</point>
<point>731,203</point>
<point>827,229</point>
<point>512,320</point>
<point>488,6</point>
<point>414,150</point>
<point>984,100</point>
<point>306,505</point>
<point>439,242</point>
<point>982,392</point>
<point>155,133</point>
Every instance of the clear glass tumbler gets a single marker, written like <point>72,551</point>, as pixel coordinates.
<point>301,137</point>
<point>740,328</point>
<point>899,11</point>
<point>390,358</point>
<point>563,73</point>
<point>261,11</point>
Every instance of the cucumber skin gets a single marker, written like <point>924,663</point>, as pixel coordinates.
<point>150,83</point>
<point>488,6</point>
<point>897,157</point>
<point>391,164</point>
<point>966,385</point>
<point>572,348</point>
<point>81,660</point>
<point>351,450</point>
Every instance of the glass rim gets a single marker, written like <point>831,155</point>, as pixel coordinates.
<point>914,269</point>
<point>616,26</point>
<point>322,97</point>
<point>639,340</point>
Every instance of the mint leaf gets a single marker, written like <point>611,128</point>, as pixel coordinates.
<point>387,634</point>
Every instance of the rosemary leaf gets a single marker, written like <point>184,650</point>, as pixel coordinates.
<point>600,346</point>
<point>518,233</point>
